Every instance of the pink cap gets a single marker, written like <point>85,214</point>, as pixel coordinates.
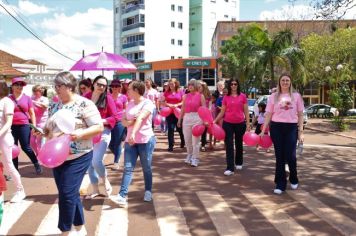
<point>18,79</point>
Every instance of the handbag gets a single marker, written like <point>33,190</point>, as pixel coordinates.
<point>21,109</point>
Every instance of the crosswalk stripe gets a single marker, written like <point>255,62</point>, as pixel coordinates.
<point>113,221</point>
<point>275,215</point>
<point>49,224</point>
<point>225,221</point>
<point>347,197</point>
<point>339,221</point>
<point>170,217</point>
<point>12,213</point>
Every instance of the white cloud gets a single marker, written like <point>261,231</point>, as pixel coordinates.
<point>29,8</point>
<point>268,1</point>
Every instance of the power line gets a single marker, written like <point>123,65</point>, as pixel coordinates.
<point>37,37</point>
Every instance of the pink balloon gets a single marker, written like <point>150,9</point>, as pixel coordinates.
<point>54,152</point>
<point>218,132</point>
<point>265,141</point>
<point>96,138</point>
<point>205,114</point>
<point>176,112</point>
<point>15,151</point>
<point>251,139</point>
<point>267,128</point>
<point>198,130</point>
<point>165,111</point>
<point>55,98</point>
<point>157,120</point>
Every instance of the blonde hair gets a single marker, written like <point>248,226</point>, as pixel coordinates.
<point>279,89</point>
<point>176,84</point>
<point>206,92</point>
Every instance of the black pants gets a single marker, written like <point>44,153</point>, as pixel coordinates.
<point>233,131</point>
<point>172,124</point>
<point>284,137</point>
<point>22,133</point>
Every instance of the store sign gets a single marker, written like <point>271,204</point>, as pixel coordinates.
<point>197,63</point>
<point>147,66</point>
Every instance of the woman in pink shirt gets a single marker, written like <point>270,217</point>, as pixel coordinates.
<point>106,106</point>
<point>118,132</point>
<point>285,112</point>
<point>20,124</point>
<point>140,141</point>
<point>236,120</point>
<point>173,98</point>
<point>7,141</point>
<point>189,114</point>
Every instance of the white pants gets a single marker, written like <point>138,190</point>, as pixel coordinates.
<point>192,143</point>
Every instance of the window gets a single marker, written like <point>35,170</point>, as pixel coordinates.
<point>180,8</point>
<point>226,16</point>
<point>116,10</point>
<point>172,57</point>
<point>173,8</point>
<point>172,24</point>
<point>172,41</point>
<point>193,13</point>
<point>180,57</point>
<point>192,29</point>
<point>226,0</point>
<point>180,25</point>
<point>213,1</point>
<point>180,42</point>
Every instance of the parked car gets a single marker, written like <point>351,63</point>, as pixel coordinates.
<point>321,110</point>
<point>251,103</point>
<point>264,99</point>
<point>351,112</point>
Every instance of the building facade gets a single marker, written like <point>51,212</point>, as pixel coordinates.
<point>151,30</point>
<point>203,17</point>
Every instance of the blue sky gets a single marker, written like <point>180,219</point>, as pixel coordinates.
<point>73,25</point>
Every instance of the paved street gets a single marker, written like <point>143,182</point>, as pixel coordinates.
<point>202,201</point>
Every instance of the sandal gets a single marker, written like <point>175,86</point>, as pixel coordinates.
<point>91,196</point>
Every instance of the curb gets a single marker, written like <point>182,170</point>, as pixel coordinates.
<point>330,132</point>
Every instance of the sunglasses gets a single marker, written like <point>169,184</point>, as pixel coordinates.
<point>115,86</point>
<point>82,88</point>
<point>19,84</point>
<point>101,85</point>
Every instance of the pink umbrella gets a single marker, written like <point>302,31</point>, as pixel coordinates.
<point>104,61</point>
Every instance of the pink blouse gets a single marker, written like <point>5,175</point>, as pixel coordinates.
<point>192,102</point>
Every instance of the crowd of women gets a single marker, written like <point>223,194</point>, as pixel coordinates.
<point>121,114</point>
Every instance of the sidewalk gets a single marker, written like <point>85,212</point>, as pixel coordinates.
<point>325,125</point>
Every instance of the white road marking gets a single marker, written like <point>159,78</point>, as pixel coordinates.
<point>347,197</point>
<point>12,213</point>
<point>49,225</point>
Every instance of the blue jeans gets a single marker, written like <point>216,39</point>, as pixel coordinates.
<point>115,146</point>
<point>171,125</point>
<point>97,168</point>
<point>284,137</point>
<point>145,151</point>
<point>22,133</point>
<point>68,178</point>
<point>232,131</point>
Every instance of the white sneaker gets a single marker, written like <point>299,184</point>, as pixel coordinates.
<point>194,163</point>
<point>116,166</point>
<point>294,186</point>
<point>18,196</point>
<point>277,191</point>
<point>188,159</point>
<point>238,167</point>
<point>228,172</point>
<point>121,201</point>
<point>148,196</point>
<point>82,231</point>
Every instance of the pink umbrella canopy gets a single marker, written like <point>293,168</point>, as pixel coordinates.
<point>104,61</point>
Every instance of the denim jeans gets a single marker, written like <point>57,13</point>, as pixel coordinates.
<point>144,151</point>
<point>22,133</point>
<point>284,137</point>
<point>233,130</point>
<point>171,125</point>
<point>68,178</point>
<point>116,138</point>
<point>97,168</point>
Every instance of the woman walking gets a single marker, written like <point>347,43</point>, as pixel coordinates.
<point>140,141</point>
<point>189,114</point>
<point>118,132</point>
<point>7,141</point>
<point>284,112</point>
<point>173,98</point>
<point>68,176</point>
<point>20,128</point>
<point>106,106</point>
<point>236,120</point>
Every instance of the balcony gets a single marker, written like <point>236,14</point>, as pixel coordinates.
<point>133,26</point>
<point>138,60</point>
<point>133,44</point>
<point>133,8</point>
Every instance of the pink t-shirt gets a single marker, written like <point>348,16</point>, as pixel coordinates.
<point>40,112</point>
<point>145,132</point>
<point>120,103</point>
<point>285,109</point>
<point>174,97</point>
<point>234,112</point>
<point>6,108</point>
<point>25,103</point>
<point>152,94</point>
<point>192,102</point>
